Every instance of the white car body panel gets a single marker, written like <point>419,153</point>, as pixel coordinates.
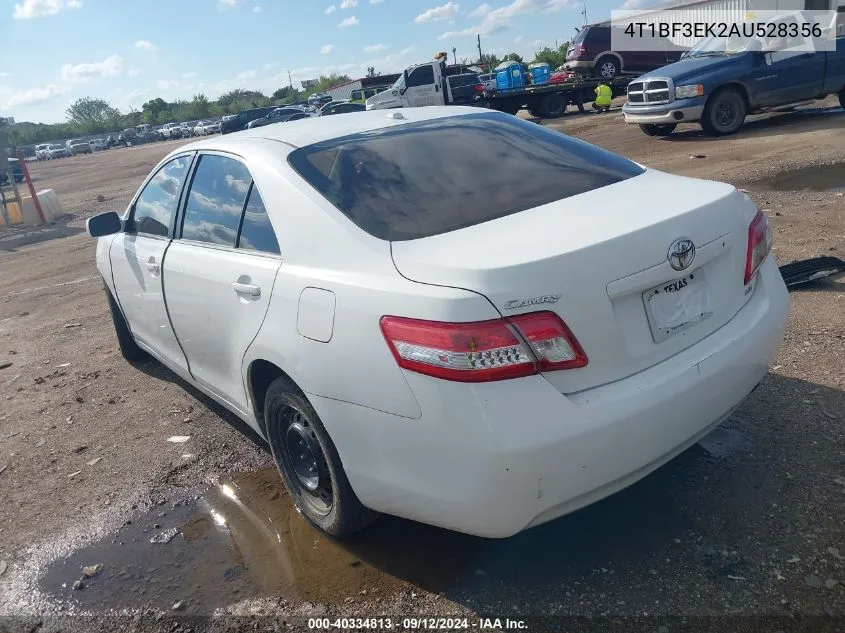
<point>489,458</point>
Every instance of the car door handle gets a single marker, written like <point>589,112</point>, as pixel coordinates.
<point>152,266</point>
<point>247,289</point>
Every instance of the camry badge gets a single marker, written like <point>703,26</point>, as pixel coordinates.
<point>513,304</point>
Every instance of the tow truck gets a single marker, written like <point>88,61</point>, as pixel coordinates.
<point>425,85</point>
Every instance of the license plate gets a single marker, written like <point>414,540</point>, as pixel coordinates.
<point>677,305</point>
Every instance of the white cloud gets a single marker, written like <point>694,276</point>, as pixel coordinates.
<point>444,12</point>
<point>330,9</point>
<point>227,4</point>
<point>145,45</point>
<point>5,74</point>
<point>111,66</point>
<point>349,4</point>
<point>498,19</point>
<point>133,72</point>
<point>34,96</point>
<point>29,9</point>
<point>376,1</point>
<point>350,21</point>
<point>517,39</point>
<point>328,48</point>
<point>257,9</point>
<point>248,74</point>
<point>375,48</point>
<point>481,10</point>
<point>190,75</point>
<point>166,84</point>
<point>270,65</point>
<point>631,5</point>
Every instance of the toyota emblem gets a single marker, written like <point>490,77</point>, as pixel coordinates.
<point>681,254</point>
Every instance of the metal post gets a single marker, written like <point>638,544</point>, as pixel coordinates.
<point>480,56</point>
<point>26,177</point>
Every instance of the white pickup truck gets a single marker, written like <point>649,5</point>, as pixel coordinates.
<point>426,85</point>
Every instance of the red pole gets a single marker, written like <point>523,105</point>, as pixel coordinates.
<point>35,199</point>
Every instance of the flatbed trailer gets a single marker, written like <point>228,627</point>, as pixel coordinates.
<point>551,100</point>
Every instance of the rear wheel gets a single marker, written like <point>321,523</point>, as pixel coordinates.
<point>724,113</point>
<point>607,67</point>
<point>125,341</point>
<point>535,112</point>
<point>553,106</point>
<point>309,464</point>
<point>652,129</point>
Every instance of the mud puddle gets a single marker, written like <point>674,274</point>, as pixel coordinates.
<point>829,178</point>
<point>242,539</point>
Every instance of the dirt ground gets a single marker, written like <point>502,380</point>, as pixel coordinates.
<point>746,531</point>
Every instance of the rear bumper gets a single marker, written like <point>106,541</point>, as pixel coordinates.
<point>578,65</point>
<point>497,458</point>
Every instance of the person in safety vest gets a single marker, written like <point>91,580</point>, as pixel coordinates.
<point>604,95</point>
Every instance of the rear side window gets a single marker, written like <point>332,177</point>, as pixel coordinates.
<point>215,201</point>
<point>464,80</point>
<point>155,207</point>
<point>422,179</point>
<point>256,231</point>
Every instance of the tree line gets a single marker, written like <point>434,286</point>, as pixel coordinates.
<point>90,116</point>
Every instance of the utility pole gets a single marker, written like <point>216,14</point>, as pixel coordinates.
<point>480,56</point>
<point>455,55</point>
<point>290,82</point>
<point>584,12</point>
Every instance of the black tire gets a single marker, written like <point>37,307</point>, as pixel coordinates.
<point>535,112</point>
<point>724,113</point>
<point>842,98</point>
<point>607,67</point>
<point>314,477</point>
<point>553,106</point>
<point>653,129</point>
<point>507,109</point>
<point>128,347</point>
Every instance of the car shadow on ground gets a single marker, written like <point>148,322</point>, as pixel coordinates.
<point>679,528</point>
<point>689,529</point>
<point>797,122</point>
<point>156,370</point>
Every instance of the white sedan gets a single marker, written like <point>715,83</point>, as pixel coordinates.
<point>453,316</point>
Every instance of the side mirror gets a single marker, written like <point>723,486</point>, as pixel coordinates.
<point>103,224</point>
<point>774,45</point>
<point>402,91</point>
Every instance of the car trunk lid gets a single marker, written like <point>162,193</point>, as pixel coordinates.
<point>599,260</point>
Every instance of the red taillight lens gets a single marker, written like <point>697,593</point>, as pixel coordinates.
<point>759,245</point>
<point>483,351</point>
<point>479,87</point>
<point>552,342</point>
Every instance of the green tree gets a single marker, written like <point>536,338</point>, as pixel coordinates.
<point>330,81</point>
<point>154,110</point>
<point>285,94</point>
<point>555,58</point>
<point>252,96</point>
<point>199,107</point>
<point>489,61</point>
<point>513,57</point>
<point>371,71</point>
<point>92,115</point>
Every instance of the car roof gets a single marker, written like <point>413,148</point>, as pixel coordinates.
<point>316,129</point>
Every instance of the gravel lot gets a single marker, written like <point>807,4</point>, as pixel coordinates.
<point>745,531</point>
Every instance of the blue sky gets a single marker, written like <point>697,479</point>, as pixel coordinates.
<point>129,51</point>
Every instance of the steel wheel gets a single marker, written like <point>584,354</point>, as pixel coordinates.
<point>724,113</point>
<point>607,67</point>
<point>306,461</point>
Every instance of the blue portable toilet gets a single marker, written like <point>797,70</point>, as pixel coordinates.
<point>541,72</point>
<point>509,75</point>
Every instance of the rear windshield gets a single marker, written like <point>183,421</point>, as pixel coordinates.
<point>422,179</point>
<point>464,80</point>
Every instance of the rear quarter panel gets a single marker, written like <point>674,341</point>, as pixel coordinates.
<point>322,249</point>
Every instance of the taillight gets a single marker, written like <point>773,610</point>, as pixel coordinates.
<point>479,87</point>
<point>759,245</point>
<point>483,351</point>
<point>576,51</point>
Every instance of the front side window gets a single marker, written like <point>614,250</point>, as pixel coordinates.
<point>155,207</point>
<point>256,231</point>
<point>421,76</point>
<point>421,179</point>
<point>356,94</point>
<point>216,200</point>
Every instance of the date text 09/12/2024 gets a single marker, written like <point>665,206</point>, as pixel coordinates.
<point>416,624</point>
